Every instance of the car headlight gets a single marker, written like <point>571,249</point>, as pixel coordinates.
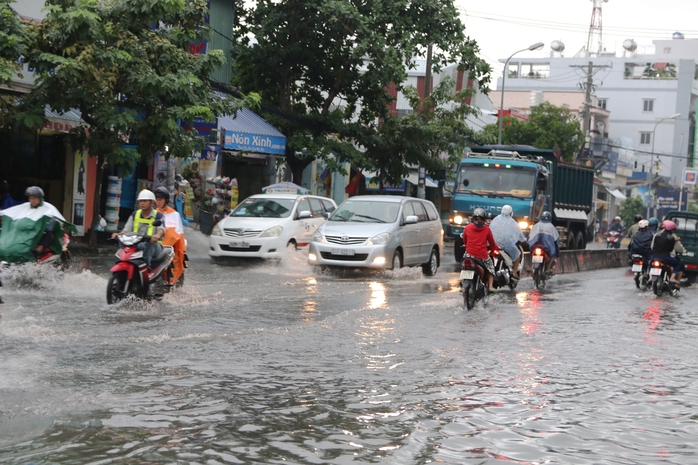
<point>216,231</point>
<point>523,224</point>
<point>318,237</point>
<point>458,219</point>
<point>272,232</point>
<point>380,239</point>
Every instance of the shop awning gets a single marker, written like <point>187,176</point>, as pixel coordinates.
<point>61,122</point>
<point>617,194</point>
<point>248,132</point>
<point>567,214</point>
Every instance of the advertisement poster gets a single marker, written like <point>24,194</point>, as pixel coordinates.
<point>188,199</point>
<point>159,171</point>
<point>79,182</point>
<point>208,165</point>
<point>372,185</point>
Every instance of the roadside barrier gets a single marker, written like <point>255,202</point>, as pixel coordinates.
<point>572,261</point>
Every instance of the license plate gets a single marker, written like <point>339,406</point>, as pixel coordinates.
<point>240,245</point>
<point>343,252</point>
<point>537,259</point>
<point>467,274</point>
<point>636,268</point>
<point>655,271</point>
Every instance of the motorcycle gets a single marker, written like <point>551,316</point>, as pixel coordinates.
<point>539,261</point>
<point>130,275</point>
<point>503,268</point>
<point>613,239</point>
<point>640,270</point>
<point>474,281</point>
<point>661,272</point>
<point>61,260</point>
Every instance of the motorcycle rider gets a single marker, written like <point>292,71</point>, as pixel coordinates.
<point>476,238</point>
<point>635,227</point>
<point>641,243</point>
<point>617,227</point>
<point>544,234</point>
<point>507,234</point>
<point>663,245</point>
<point>174,231</point>
<point>654,224</point>
<point>141,222</point>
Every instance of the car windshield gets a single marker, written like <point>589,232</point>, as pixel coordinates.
<point>367,212</point>
<point>496,179</point>
<point>264,208</point>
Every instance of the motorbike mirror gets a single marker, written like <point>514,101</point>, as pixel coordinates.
<point>466,182</point>
<point>157,223</point>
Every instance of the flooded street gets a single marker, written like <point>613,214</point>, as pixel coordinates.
<point>280,363</point>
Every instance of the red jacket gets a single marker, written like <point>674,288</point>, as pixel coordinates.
<point>476,239</point>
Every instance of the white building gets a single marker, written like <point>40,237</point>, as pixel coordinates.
<point>639,91</point>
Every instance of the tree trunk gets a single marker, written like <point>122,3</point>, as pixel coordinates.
<point>97,201</point>
<point>297,166</point>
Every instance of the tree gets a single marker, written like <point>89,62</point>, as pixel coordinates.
<point>12,48</point>
<point>548,127</point>
<point>630,207</point>
<point>130,81</point>
<point>332,63</point>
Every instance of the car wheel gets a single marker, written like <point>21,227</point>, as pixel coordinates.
<point>429,268</point>
<point>581,245</point>
<point>397,261</point>
<point>292,245</point>
<point>458,249</point>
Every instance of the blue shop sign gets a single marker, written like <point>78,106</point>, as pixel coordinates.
<point>245,142</point>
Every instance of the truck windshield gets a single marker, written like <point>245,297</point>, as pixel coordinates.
<point>496,179</point>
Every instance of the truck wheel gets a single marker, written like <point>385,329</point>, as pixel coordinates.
<point>581,245</point>
<point>571,241</point>
<point>458,250</point>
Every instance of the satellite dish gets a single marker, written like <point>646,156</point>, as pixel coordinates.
<point>557,46</point>
<point>677,35</point>
<point>630,45</point>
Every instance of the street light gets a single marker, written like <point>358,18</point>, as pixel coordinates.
<point>674,116</point>
<point>536,46</point>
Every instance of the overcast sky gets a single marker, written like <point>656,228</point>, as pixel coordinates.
<point>502,27</point>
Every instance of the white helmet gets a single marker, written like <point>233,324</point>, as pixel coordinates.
<point>507,210</point>
<point>145,194</point>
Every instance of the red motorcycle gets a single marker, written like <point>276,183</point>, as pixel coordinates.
<point>613,239</point>
<point>539,261</point>
<point>61,260</point>
<point>130,275</point>
<point>474,281</point>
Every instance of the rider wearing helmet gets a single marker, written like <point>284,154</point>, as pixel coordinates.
<point>617,226</point>
<point>174,231</point>
<point>507,234</point>
<point>654,224</point>
<point>641,243</point>
<point>544,234</point>
<point>476,238</point>
<point>663,245</point>
<point>141,222</point>
<point>35,195</point>
<point>635,227</point>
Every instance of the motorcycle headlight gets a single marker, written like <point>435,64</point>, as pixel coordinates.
<point>318,237</point>
<point>273,232</point>
<point>216,231</point>
<point>523,224</point>
<point>458,219</point>
<point>380,239</point>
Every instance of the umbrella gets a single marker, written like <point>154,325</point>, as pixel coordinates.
<point>284,188</point>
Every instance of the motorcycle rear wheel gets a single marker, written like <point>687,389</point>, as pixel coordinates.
<point>536,277</point>
<point>115,287</point>
<point>469,290</point>
<point>658,285</point>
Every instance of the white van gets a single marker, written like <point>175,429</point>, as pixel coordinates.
<point>264,225</point>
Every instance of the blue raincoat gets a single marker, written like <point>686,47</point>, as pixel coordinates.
<point>545,235</point>
<point>506,233</point>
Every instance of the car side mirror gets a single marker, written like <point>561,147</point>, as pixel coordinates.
<point>412,219</point>
<point>326,215</point>
<point>305,214</point>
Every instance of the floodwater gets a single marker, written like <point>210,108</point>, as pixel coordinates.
<point>278,363</point>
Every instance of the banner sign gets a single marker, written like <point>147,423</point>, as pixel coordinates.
<point>372,184</point>
<point>79,183</point>
<point>245,142</point>
<point>690,177</point>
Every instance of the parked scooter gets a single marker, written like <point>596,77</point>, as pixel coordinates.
<point>640,270</point>
<point>660,272</point>
<point>504,269</point>
<point>613,239</point>
<point>474,281</point>
<point>539,261</point>
<point>130,275</point>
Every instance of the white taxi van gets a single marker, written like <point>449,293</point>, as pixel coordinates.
<point>264,225</point>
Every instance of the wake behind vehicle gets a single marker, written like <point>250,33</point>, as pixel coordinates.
<point>130,275</point>
<point>380,231</point>
<point>264,225</point>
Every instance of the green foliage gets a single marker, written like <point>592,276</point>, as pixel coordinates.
<point>13,44</point>
<point>548,127</point>
<point>630,207</point>
<point>332,62</point>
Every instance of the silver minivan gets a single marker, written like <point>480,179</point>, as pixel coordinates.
<point>380,231</point>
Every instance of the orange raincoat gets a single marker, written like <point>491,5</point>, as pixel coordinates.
<point>174,236</point>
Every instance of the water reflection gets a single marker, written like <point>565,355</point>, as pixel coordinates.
<point>309,311</point>
<point>378,299</point>
<point>530,305</point>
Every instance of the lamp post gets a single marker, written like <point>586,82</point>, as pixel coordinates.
<point>536,46</point>
<point>656,160</point>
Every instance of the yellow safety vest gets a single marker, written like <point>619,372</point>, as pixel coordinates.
<point>138,219</point>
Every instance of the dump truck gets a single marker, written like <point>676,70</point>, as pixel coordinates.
<point>532,181</point>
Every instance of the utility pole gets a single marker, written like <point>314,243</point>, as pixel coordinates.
<point>588,86</point>
<point>422,175</point>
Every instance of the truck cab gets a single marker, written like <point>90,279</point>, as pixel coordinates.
<point>687,230</point>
